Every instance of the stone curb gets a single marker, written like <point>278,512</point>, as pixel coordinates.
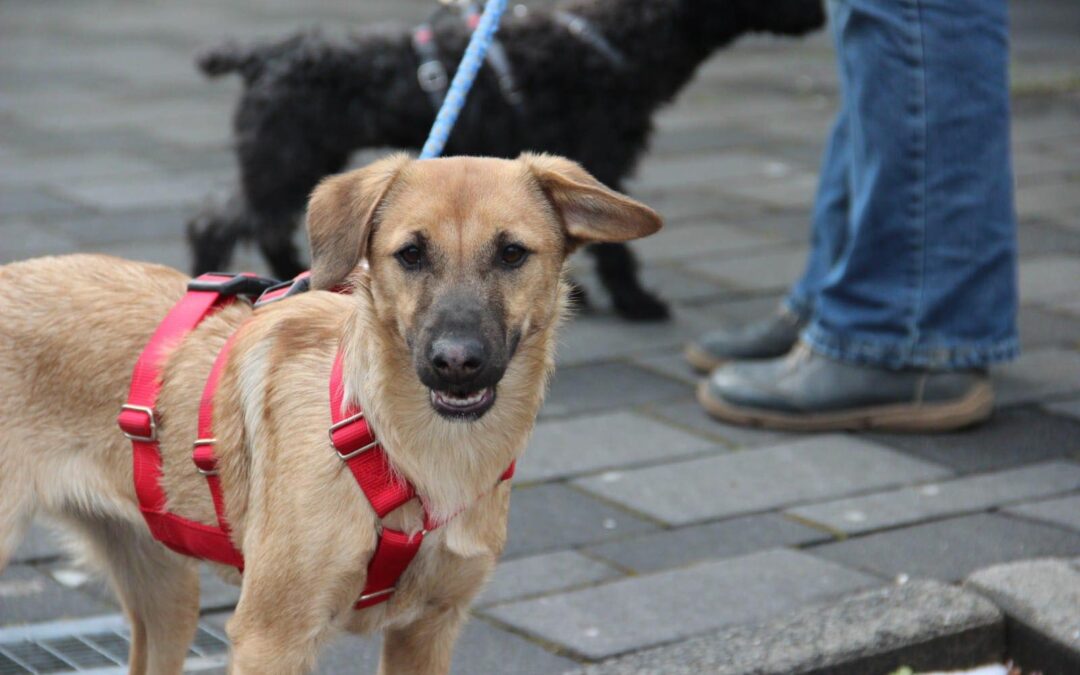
<point>926,625</point>
<point>1041,602</point>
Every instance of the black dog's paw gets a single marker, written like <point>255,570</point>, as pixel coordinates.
<point>640,305</point>
<point>785,17</point>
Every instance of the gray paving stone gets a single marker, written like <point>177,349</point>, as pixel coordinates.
<point>593,336</point>
<point>40,544</point>
<point>1038,238</point>
<point>542,575</point>
<point>644,611</point>
<point>32,202</point>
<point>935,500</point>
<point>923,624</point>
<point>1057,201</point>
<point>1068,306</point>
<point>1012,437</point>
<point>1066,408</point>
<point>605,386</point>
<point>1041,600</point>
<point>817,468</point>
<point>1048,277</point>
<point>679,141</point>
<point>687,545</point>
<point>688,413</point>
<point>1038,375</point>
<point>704,240</point>
<point>552,517</point>
<point>59,169</point>
<point>121,227</point>
<point>745,309</point>
<point>216,594</point>
<point>22,240</point>
<point>561,448</point>
<point>794,190</point>
<point>1064,511</point>
<point>1040,328</point>
<point>28,595</point>
<point>671,283</point>
<point>171,252</point>
<point>682,207</point>
<point>668,363</point>
<point>771,271</point>
<point>145,192</point>
<point>711,169</point>
<point>482,648</point>
<point>951,549</point>
<point>174,253</point>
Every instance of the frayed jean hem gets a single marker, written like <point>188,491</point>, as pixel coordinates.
<point>896,355</point>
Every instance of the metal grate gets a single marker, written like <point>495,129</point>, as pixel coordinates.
<point>98,646</point>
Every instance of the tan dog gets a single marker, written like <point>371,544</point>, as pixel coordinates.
<point>448,335</point>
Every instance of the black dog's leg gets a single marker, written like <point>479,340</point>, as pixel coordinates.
<point>278,173</point>
<point>276,242</point>
<point>212,235</point>
<point>618,271</point>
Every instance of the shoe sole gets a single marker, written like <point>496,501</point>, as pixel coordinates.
<point>976,406</point>
<point>700,360</point>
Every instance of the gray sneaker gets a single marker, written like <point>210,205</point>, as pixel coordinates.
<point>805,391</point>
<point>765,339</point>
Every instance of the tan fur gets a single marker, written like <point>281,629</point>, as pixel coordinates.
<point>72,327</point>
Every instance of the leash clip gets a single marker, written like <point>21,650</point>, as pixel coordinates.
<point>431,75</point>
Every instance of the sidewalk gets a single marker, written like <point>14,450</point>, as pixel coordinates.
<point>636,521</point>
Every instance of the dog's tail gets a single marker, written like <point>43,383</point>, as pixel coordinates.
<point>230,57</point>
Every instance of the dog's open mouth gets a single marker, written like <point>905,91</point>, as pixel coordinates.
<point>469,405</point>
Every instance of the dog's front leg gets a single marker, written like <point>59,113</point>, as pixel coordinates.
<point>425,646</point>
<point>283,618</point>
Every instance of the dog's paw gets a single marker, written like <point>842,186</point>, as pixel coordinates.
<point>640,305</point>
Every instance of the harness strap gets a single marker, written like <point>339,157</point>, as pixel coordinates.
<point>356,445</point>
<point>583,30</point>
<point>350,436</point>
<point>139,421</point>
<point>203,451</point>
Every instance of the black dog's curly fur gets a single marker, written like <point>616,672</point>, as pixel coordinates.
<point>310,101</point>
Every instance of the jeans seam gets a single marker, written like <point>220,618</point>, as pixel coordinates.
<point>918,56</point>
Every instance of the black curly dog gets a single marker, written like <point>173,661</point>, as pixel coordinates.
<point>587,92</point>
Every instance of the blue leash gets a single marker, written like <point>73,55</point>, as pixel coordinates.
<point>463,79</point>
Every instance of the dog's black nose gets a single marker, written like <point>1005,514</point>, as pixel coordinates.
<point>458,360</point>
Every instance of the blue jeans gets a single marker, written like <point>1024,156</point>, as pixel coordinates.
<point>913,258</point>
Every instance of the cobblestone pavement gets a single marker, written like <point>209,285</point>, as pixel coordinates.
<point>635,520</point>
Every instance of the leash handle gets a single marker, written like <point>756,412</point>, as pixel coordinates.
<point>463,79</point>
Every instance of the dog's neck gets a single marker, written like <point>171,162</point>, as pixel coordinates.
<point>450,463</point>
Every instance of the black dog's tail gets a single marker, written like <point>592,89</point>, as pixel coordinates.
<point>230,57</point>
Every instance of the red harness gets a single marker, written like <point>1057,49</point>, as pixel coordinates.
<point>350,436</point>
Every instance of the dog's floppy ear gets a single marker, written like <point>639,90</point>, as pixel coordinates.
<point>340,216</point>
<point>590,211</point>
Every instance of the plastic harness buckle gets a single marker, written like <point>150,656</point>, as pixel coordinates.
<point>285,289</point>
<point>229,284</point>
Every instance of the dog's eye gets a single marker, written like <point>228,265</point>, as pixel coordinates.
<point>410,257</point>
<point>513,255</point>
